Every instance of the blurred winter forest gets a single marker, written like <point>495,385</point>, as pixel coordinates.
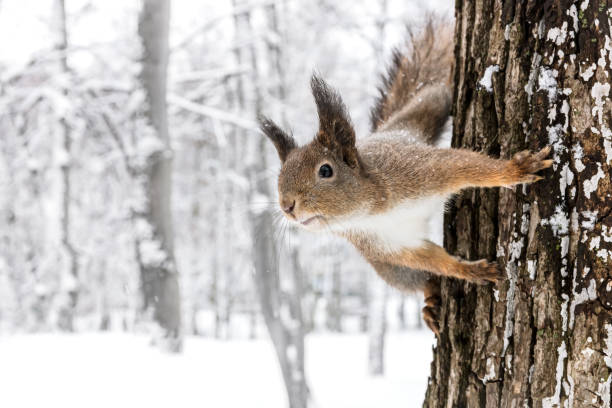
<point>137,195</point>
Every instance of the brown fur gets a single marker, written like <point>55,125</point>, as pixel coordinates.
<point>435,259</point>
<point>416,89</point>
<point>431,311</point>
<point>416,170</point>
<point>392,166</point>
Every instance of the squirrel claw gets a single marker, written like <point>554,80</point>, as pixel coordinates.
<point>525,164</point>
<point>431,316</point>
<point>483,271</point>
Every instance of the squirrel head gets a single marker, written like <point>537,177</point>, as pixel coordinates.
<point>321,183</point>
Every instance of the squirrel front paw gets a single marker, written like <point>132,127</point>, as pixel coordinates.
<point>483,271</point>
<point>524,164</point>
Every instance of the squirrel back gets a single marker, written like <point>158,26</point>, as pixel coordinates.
<point>416,90</point>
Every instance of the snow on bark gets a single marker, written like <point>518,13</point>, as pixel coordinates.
<point>549,319</point>
<point>69,275</point>
<point>487,79</point>
<point>280,294</point>
<point>154,230</point>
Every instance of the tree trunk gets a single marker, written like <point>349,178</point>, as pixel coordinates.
<point>543,338</point>
<point>334,298</point>
<point>377,327</point>
<point>68,278</point>
<point>280,304</point>
<point>379,293</point>
<point>154,224</point>
<point>364,299</point>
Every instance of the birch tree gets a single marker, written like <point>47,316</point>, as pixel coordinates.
<point>531,74</point>
<point>155,240</point>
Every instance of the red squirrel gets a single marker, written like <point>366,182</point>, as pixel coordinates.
<point>380,191</point>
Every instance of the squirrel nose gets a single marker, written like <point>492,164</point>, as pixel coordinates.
<point>288,206</point>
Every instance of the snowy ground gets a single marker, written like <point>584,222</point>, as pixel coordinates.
<point>121,370</point>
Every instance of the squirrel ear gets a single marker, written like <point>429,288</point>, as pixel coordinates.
<point>282,141</point>
<point>335,128</point>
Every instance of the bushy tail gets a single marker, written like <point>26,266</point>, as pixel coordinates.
<point>416,91</point>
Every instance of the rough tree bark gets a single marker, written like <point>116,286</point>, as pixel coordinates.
<point>155,249</point>
<point>543,338</point>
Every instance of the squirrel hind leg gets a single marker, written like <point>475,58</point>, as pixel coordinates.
<point>431,311</point>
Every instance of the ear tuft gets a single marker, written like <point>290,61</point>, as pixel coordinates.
<point>283,142</point>
<point>335,128</point>
<point>329,103</point>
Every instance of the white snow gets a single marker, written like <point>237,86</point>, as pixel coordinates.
<point>557,34</point>
<point>588,72</point>
<point>603,254</point>
<point>606,234</point>
<point>607,142</point>
<point>121,370</point>
<point>578,154</point>
<point>547,81</point>
<point>555,139</point>
<point>607,350</point>
<point>487,79</point>
<point>585,295</point>
<point>558,222</point>
<point>565,108</point>
<point>594,243</point>
<point>490,374</point>
<point>554,400</point>
<point>599,92</point>
<point>535,63</point>
<point>516,247</point>
<point>573,13</point>
<point>607,49</point>
<point>589,219</point>
<point>567,177</point>
<point>532,267</point>
<point>584,5</point>
<point>591,184</point>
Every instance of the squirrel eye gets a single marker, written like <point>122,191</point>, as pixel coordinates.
<point>325,171</point>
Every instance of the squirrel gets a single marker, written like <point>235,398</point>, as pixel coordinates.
<point>379,192</point>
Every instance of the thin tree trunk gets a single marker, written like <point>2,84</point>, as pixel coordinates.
<point>281,309</point>
<point>364,299</point>
<point>222,273</point>
<point>334,298</point>
<point>379,292</point>
<point>418,313</point>
<point>69,274</point>
<point>543,338</point>
<point>401,312</point>
<point>155,235</point>
<point>378,327</point>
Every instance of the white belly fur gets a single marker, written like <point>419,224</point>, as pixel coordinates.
<point>404,226</point>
